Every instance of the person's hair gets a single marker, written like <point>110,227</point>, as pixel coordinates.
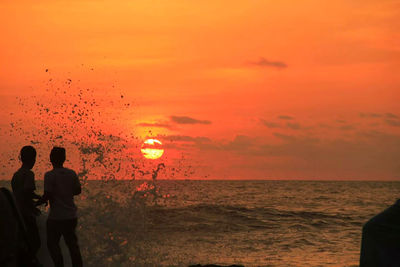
<point>28,154</point>
<point>57,155</point>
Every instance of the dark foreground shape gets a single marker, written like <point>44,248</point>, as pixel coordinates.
<point>15,248</point>
<point>8,232</point>
<point>380,245</point>
<point>214,265</point>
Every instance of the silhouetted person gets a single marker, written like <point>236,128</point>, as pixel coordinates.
<point>9,232</point>
<point>380,245</point>
<point>15,248</point>
<point>60,187</point>
<point>23,186</point>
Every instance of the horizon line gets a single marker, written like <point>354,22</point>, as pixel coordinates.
<point>240,179</point>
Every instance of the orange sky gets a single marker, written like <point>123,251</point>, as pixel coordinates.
<point>243,89</point>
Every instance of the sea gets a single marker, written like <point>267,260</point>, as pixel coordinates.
<point>243,222</point>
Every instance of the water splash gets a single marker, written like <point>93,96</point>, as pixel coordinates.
<point>91,126</point>
<point>149,190</point>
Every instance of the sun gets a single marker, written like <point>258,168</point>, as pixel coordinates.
<point>152,149</point>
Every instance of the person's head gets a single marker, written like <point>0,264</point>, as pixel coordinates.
<point>57,156</point>
<point>28,156</point>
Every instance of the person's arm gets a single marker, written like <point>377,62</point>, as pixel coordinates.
<point>30,187</point>
<point>48,189</point>
<point>77,185</point>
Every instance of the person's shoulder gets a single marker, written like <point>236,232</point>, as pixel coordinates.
<point>22,172</point>
<point>49,174</point>
<point>30,172</point>
<point>16,177</point>
<point>17,173</point>
<point>70,171</point>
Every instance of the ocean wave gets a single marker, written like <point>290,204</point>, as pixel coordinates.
<point>211,217</point>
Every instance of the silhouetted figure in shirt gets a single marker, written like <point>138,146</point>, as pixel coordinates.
<point>380,245</point>
<point>23,187</point>
<point>60,187</point>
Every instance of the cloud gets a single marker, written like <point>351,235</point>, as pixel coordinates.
<point>186,138</point>
<point>173,119</point>
<point>395,123</point>
<point>183,142</point>
<point>188,120</point>
<point>347,127</point>
<point>239,143</point>
<point>370,155</point>
<point>391,116</point>
<point>288,125</point>
<point>365,155</point>
<point>379,115</point>
<point>293,126</point>
<point>370,115</point>
<point>284,117</point>
<point>324,125</point>
<point>375,156</point>
<point>263,62</point>
<point>270,124</point>
<point>284,137</point>
<point>155,124</point>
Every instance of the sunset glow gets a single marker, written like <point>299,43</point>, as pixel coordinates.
<point>202,132</point>
<point>283,89</point>
<point>151,149</point>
